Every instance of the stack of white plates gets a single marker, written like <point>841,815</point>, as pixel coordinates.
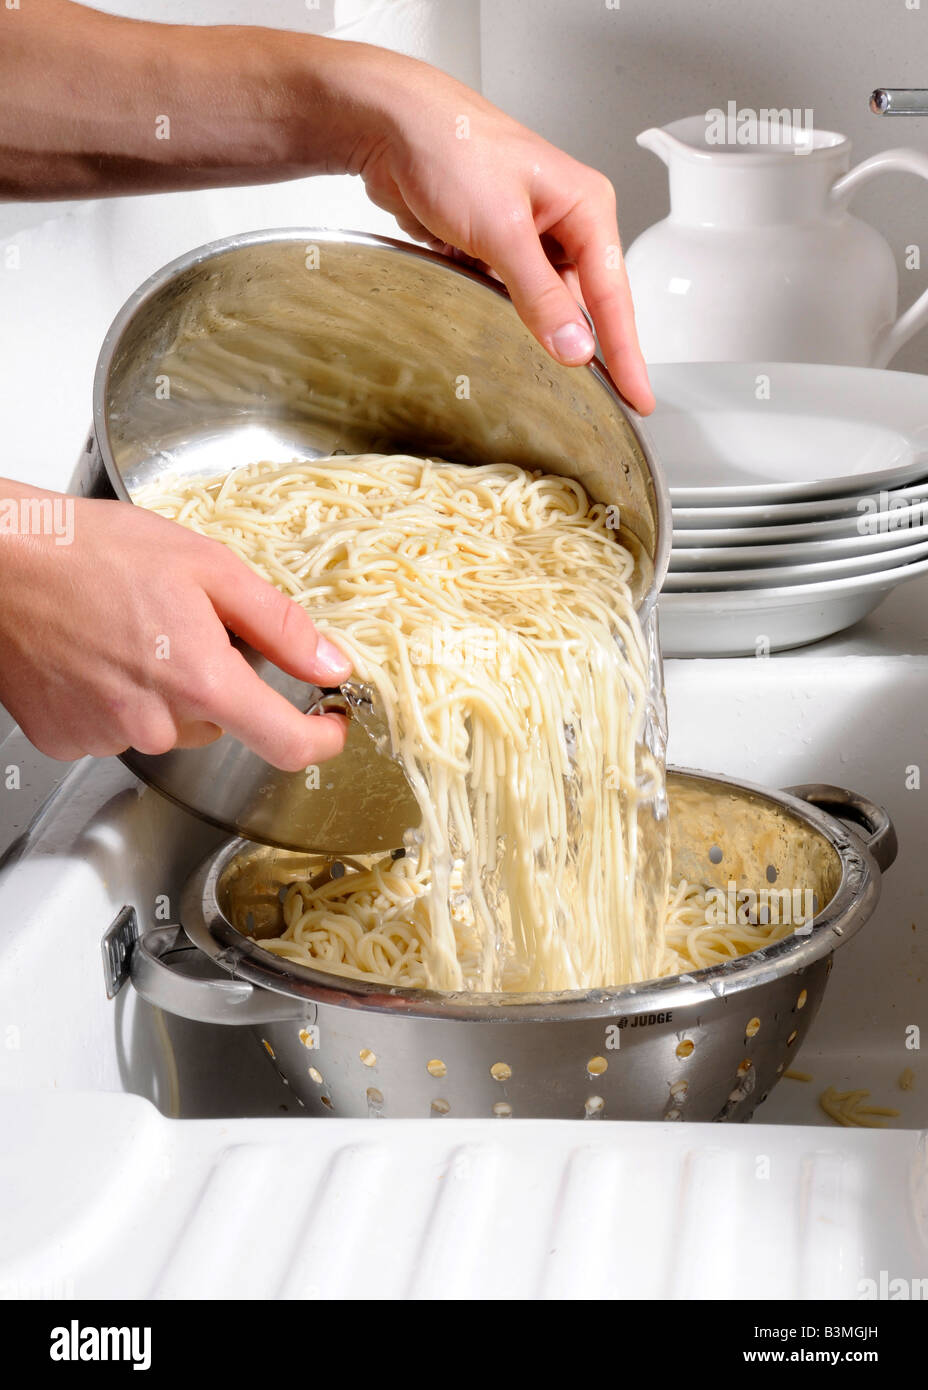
<point>799,495</point>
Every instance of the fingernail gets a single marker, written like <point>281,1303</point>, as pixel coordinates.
<point>573,344</point>
<point>331,664</point>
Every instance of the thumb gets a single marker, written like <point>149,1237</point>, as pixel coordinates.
<point>543,302</point>
<point>274,624</point>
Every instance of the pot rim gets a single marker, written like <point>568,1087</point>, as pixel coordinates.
<point>849,908</point>
<point>656,483</point>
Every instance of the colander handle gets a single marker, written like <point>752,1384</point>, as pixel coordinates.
<point>870,821</point>
<point>209,1000</point>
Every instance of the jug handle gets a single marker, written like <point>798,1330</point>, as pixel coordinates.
<point>903,161</point>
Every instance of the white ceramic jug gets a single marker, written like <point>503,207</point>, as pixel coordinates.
<point>760,260</point>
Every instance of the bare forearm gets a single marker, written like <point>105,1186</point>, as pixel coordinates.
<point>92,104</point>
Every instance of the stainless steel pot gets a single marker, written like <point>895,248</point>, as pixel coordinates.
<point>704,1046</point>
<point>301,343</point>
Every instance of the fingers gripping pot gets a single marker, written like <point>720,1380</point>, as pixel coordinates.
<point>702,1046</point>
<point>304,343</point>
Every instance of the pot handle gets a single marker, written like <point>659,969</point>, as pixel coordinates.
<point>218,999</point>
<point>866,819</point>
<point>903,161</point>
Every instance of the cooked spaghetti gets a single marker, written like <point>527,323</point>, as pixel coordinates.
<point>491,611</point>
<point>850,1109</point>
<point>698,934</point>
<point>374,924</point>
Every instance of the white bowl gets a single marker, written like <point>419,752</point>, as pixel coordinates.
<point>792,513</point>
<point>864,527</point>
<point>732,557</point>
<point>752,622</point>
<point>691,581</point>
<point>823,432</point>
<point>685,556</point>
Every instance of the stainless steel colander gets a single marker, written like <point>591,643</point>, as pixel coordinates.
<point>705,1046</point>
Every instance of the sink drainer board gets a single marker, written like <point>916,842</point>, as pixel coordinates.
<point>702,1046</point>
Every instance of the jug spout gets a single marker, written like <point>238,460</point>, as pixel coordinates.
<point>660,142</point>
<point>744,176</point>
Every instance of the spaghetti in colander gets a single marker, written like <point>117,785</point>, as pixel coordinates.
<point>374,925</point>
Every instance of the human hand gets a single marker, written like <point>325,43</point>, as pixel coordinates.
<point>463,176</point>
<point>258,104</point>
<point>119,639</point>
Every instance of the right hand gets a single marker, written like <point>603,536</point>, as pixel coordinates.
<point>119,639</point>
<point>459,173</point>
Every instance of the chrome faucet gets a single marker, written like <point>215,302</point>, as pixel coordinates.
<point>899,101</point>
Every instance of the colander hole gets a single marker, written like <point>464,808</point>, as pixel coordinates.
<point>830,966</point>
<point>374,1097</point>
<point>268,1049</point>
<point>686,1048</point>
<point>801,1001</point>
<point>715,854</point>
<point>326,1102</point>
<point>502,1110</point>
<point>501,1071</point>
<point>781,1068</point>
<point>315,1075</point>
<point>440,1107</point>
<point>792,1037</point>
<point>436,1067</point>
<point>306,1037</point>
<point>594,1107</point>
<point>367,1057</point>
<point>771,873</point>
<point>679,1089</point>
<point>752,1028</point>
<point>745,1067</point>
<point>596,1066</point>
<point>672,1115</point>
